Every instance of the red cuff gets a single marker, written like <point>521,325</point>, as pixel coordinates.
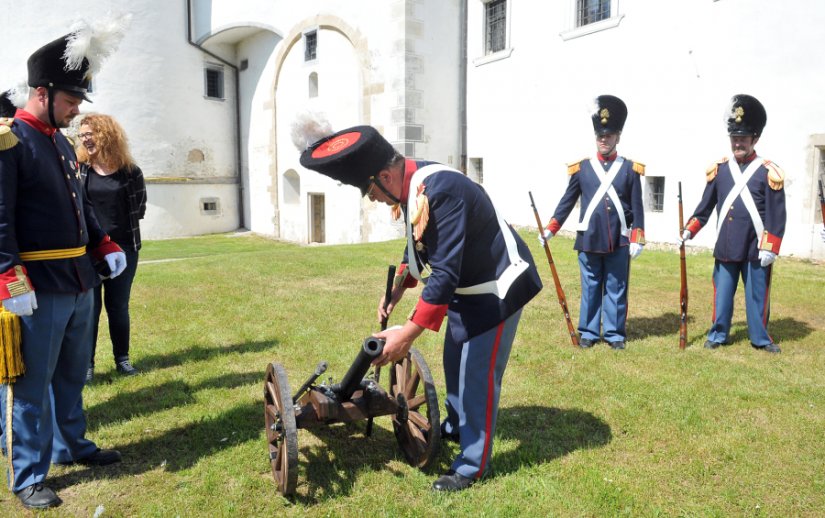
<point>104,248</point>
<point>693,226</point>
<point>637,235</point>
<point>554,226</point>
<point>404,278</point>
<point>770,242</point>
<point>14,281</point>
<point>428,315</point>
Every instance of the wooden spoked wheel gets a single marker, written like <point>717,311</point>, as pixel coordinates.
<point>281,432</point>
<point>417,425</point>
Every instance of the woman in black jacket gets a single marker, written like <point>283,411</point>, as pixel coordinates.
<point>115,186</point>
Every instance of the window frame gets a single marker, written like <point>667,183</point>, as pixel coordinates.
<point>507,51</point>
<point>221,83</point>
<point>576,31</point>
<point>305,38</point>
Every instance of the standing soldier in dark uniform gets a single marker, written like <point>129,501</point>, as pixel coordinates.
<point>476,270</point>
<point>611,218</point>
<point>48,236</point>
<point>748,194</point>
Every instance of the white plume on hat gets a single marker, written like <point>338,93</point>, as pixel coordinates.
<point>19,94</point>
<point>95,41</point>
<point>308,128</point>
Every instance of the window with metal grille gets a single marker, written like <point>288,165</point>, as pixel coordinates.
<point>310,45</point>
<point>495,25</point>
<point>590,11</point>
<point>656,193</point>
<point>213,81</point>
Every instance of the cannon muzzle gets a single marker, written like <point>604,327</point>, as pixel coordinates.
<point>372,348</point>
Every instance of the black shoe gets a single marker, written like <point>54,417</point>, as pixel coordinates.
<point>90,374</point>
<point>101,458</point>
<point>38,496</point>
<point>585,343</point>
<point>710,344</point>
<point>770,348</point>
<point>125,367</point>
<point>452,481</point>
<point>617,346</point>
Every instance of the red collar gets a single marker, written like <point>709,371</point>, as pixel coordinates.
<point>34,122</point>
<point>611,158</point>
<point>410,167</point>
<point>748,158</point>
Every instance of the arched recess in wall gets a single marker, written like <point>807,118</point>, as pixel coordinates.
<point>313,85</point>
<point>361,51</point>
<point>292,187</point>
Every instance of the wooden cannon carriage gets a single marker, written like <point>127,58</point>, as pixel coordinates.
<point>410,400</point>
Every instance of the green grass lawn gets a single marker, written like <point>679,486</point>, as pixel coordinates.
<point>649,431</point>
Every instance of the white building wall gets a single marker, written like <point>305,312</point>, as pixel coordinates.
<point>676,65</point>
<point>153,85</point>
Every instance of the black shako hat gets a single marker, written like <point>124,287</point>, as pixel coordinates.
<point>48,67</point>
<point>7,108</point>
<point>611,112</point>
<point>352,156</point>
<point>746,116</point>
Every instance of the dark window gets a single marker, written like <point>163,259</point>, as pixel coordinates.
<point>213,79</point>
<point>590,11</point>
<point>310,46</point>
<point>656,193</point>
<point>495,24</point>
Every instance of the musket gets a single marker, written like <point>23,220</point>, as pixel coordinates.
<point>559,291</point>
<point>683,294</point>
<point>387,298</point>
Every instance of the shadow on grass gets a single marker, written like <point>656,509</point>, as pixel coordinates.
<point>545,434</point>
<point>157,398</point>
<point>665,324</point>
<point>786,329</point>
<point>332,468</point>
<point>200,353</point>
<point>179,448</point>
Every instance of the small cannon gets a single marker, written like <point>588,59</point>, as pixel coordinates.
<point>411,400</point>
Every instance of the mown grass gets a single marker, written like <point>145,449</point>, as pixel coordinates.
<point>650,431</point>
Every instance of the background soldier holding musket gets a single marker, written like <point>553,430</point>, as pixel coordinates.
<point>611,228</point>
<point>748,194</point>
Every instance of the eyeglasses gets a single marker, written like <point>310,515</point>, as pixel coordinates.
<point>84,136</point>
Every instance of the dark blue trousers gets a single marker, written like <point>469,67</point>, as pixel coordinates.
<point>473,371</point>
<point>757,282</point>
<point>604,281</point>
<point>47,407</point>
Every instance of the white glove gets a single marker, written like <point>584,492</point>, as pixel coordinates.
<point>547,236</point>
<point>766,257</point>
<point>686,234</point>
<point>635,250</point>
<point>116,262</point>
<point>21,305</point>
<point>822,234</point>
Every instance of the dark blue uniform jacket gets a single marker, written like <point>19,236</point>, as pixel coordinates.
<point>43,207</point>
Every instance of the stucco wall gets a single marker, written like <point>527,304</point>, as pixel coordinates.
<point>676,66</point>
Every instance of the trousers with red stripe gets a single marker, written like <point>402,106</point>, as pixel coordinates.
<point>473,371</point>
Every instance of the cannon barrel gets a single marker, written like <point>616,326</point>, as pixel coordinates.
<point>351,382</point>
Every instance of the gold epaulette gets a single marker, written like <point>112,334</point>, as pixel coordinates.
<point>712,170</point>
<point>7,139</point>
<point>776,176</point>
<point>639,167</point>
<point>574,167</point>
